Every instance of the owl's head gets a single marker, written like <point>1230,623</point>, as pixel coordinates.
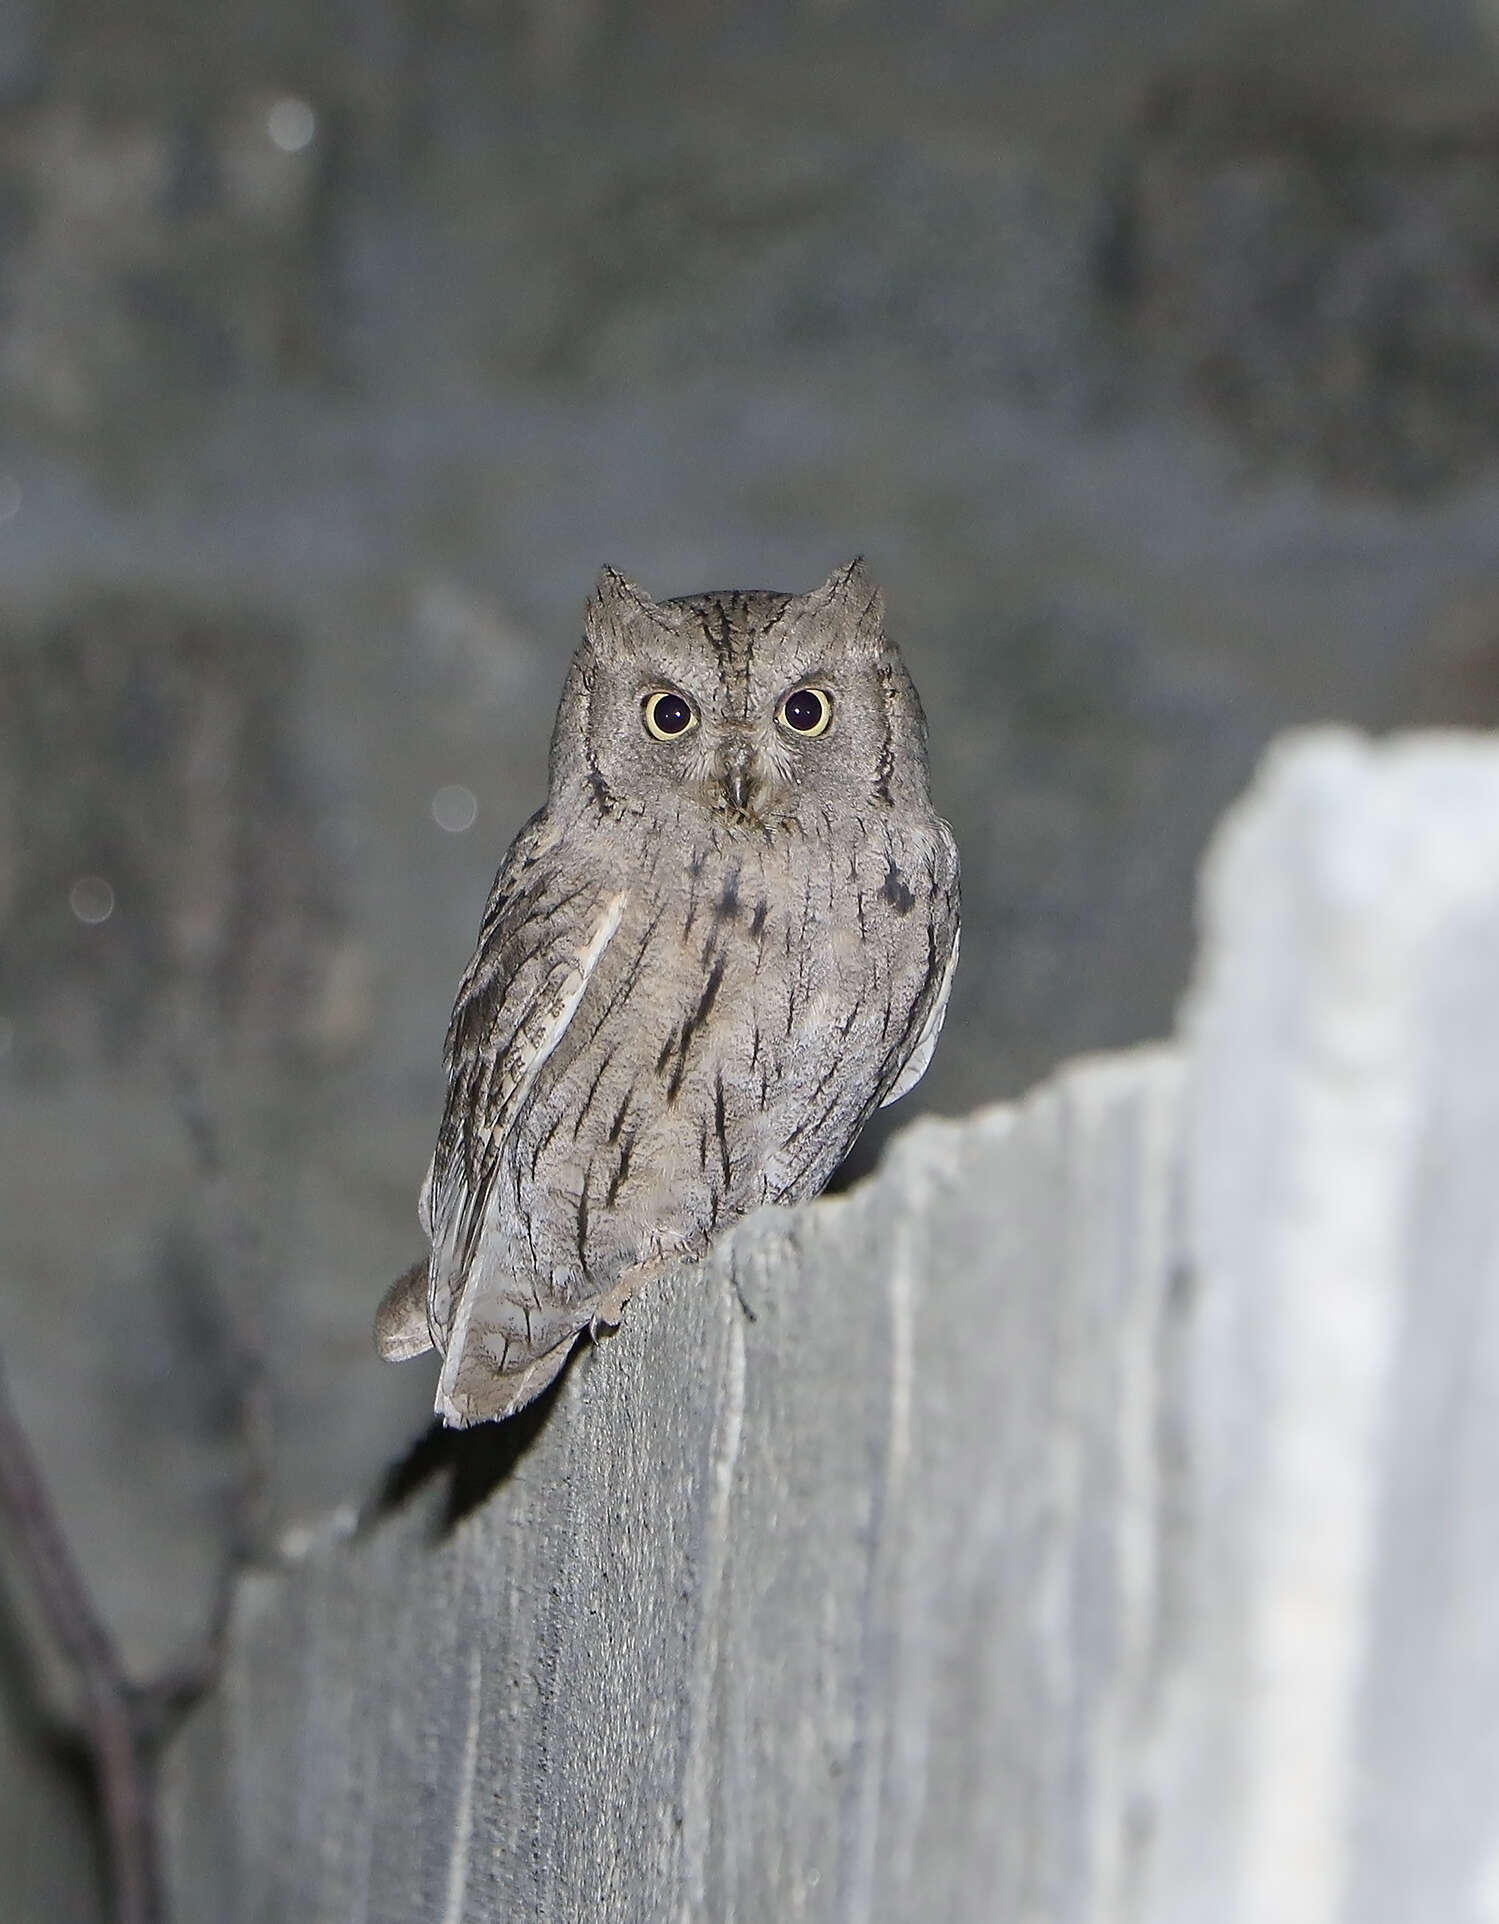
<point>746,704</point>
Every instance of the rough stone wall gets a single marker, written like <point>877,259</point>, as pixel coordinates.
<point>1085,1519</point>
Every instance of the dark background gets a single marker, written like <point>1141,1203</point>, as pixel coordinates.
<point>1149,352</point>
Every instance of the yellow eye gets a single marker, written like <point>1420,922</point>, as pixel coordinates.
<point>806,711</point>
<point>667,714</point>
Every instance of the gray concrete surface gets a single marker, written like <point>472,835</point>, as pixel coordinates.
<point>1084,1519</point>
<point>821,1592</point>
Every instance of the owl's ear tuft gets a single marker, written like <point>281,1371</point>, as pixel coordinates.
<point>614,606</point>
<point>851,598</point>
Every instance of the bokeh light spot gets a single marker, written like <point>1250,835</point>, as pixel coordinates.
<point>291,124</point>
<point>455,808</point>
<point>91,899</point>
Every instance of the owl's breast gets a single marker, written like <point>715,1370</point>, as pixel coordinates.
<point>740,1028</point>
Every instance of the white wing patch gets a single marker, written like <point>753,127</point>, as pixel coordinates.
<point>926,1042</point>
<point>540,1041</point>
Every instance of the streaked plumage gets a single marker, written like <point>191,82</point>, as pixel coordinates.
<point>703,965</point>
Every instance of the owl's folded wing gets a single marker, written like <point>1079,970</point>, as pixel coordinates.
<point>945,932</point>
<point>512,1006</point>
<point>922,1050</point>
<point>542,937</point>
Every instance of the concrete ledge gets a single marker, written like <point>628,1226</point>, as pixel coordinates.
<point>1089,1518</point>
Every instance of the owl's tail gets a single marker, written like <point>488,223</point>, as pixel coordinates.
<point>472,1390</point>
<point>401,1320</point>
<point>473,1387</point>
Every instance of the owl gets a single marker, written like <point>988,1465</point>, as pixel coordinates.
<point>725,941</point>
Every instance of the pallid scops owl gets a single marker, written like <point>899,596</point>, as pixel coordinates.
<point>726,940</point>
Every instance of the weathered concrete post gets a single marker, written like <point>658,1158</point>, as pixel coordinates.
<point>1090,1518</point>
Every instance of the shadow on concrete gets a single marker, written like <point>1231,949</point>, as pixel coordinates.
<point>474,1461</point>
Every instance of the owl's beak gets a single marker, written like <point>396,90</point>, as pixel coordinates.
<point>737,785</point>
<point>740,779</point>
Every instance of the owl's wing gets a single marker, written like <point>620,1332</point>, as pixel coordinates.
<point>945,929</point>
<point>926,1042</point>
<point>543,934</point>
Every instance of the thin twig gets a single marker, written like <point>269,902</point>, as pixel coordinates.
<point>237,1242</point>
<point>125,1724</point>
<point>120,1755</point>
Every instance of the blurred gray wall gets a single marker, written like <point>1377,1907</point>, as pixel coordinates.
<point>1148,352</point>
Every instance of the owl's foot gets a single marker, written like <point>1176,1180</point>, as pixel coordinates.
<point>608,1310</point>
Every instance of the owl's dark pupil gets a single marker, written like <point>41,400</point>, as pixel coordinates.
<point>804,710</point>
<point>670,714</point>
